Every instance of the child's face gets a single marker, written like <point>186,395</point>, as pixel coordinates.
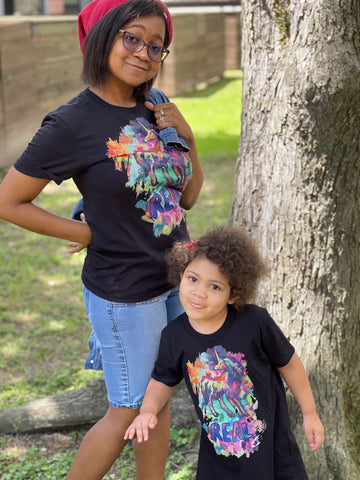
<point>204,292</point>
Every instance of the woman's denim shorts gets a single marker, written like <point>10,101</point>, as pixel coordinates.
<point>127,335</point>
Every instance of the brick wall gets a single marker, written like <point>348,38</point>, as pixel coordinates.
<point>197,54</point>
<point>40,69</point>
<point>41,64</point>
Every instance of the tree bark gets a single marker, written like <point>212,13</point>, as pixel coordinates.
<point>297,191</point>
<point>84,406</point>
<point>79,407</point>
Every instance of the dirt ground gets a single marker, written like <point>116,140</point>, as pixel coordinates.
<point>69,440</point>
<point>51,443</point>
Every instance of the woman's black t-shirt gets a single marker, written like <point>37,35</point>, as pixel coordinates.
<point>131,184</point>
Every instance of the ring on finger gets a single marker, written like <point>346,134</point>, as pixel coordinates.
<point>162,119</point>
<point>162,112</point>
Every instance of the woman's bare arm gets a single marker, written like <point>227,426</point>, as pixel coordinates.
<point>17,192</point>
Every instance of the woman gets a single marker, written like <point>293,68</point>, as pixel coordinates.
<point>135,190</point>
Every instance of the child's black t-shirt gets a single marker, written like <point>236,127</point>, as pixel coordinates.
<point>131,184</point>
<point>238,394</point>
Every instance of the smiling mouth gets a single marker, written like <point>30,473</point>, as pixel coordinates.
<point>196,306</point>
<point>137,67</point>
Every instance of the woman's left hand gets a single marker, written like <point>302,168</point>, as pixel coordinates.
<point>76,246</point>
<point>168,115</point>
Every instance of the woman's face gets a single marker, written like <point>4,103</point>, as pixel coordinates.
<point>128,68</point>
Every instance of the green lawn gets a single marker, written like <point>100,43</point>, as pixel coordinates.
<point>214,114</point>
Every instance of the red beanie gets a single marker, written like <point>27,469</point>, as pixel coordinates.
<point>96,9</point>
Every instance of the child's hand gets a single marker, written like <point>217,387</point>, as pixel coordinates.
<point>140,427</point>
<point>314,431</point>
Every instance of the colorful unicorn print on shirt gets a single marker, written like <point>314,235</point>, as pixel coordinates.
<point>156,173</point>
<point>227,402</point>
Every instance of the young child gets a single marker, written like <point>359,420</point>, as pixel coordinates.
<point>232,355</point>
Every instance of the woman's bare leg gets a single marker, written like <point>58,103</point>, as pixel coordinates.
<point>104,442</point>
<point>102,445</point>
<point>151,455</point>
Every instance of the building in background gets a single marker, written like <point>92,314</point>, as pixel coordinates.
<point>41,7</point>
<point>73,7</point>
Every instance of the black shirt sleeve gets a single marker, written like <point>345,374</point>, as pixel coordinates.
<point>53,152</point>
<point>275,345</point>
<point>168,366</point>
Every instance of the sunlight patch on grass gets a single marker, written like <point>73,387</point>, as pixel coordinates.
<point>52,281</point>
<point>27,317</point>
<point>14,451</point>
<point>56,325</point>
<point>76,258</point>
<point>87,375</point>
<point>10,350</point>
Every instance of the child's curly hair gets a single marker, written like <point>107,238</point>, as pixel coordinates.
<point>231,249</point>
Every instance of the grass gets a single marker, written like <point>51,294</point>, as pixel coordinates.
<point>214,114</point>
<point>42,462</point>
<point>43,326</point>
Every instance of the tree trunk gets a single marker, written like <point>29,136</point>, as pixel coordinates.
<point>297,191</point>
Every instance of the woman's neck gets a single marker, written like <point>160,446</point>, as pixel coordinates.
<point>115,96</point>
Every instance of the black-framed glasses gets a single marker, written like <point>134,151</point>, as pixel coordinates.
<point>135,44</point>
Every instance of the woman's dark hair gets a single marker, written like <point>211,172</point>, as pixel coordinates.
<point>99,40</point>
<point>232,250</point>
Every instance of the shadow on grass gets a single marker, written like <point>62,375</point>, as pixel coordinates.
<point>208,89</point>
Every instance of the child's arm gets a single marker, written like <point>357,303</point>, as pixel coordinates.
<point>156,396</point>
<point>297,380</point>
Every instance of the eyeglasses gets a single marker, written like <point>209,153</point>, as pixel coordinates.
<point>133,43</point>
